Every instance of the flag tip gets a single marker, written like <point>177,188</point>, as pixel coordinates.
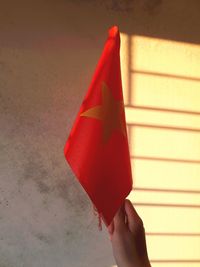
<point>113,31</point>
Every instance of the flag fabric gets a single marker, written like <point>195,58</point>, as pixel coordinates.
<point>97,147</point>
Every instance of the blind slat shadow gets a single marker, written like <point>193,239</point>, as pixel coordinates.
<point>174,261</point>
<point>179,77</point>
<point>173,234</point>
<point>163,109</point>
<point>166,190</point>
<point>163,127</point>
<point>165,205</point>
<point>166,159</point>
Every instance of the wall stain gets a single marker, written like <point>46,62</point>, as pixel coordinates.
<point>119,5</point>
<point>151,6</point>
<point>49,180</point>
<point>72,193</point>
<point>43,188</point>
<point>62,189</point>
<point>44,238</point>
<point>34,170</point>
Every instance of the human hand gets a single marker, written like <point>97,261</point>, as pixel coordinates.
<point>127,236</point>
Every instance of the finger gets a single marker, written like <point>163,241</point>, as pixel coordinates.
<point>110,228</point>
<point>133,219</point>
<point>119,219</point>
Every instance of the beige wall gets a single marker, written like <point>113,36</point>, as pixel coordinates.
<point>48,52</point>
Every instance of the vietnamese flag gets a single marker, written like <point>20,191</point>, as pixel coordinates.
<point>97,148</point>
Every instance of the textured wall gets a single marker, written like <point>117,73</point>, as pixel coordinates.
<point>48,51</point>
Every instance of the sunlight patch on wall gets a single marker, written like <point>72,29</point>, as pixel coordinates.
<point>161,85</point>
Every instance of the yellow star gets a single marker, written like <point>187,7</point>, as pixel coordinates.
<point>111,113</point>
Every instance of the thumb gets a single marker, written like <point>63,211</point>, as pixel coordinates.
<point>133,219</point>
<point>110,228</point>
<point>119,219</point>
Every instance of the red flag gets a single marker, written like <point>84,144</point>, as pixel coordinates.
<point>97,147</point>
